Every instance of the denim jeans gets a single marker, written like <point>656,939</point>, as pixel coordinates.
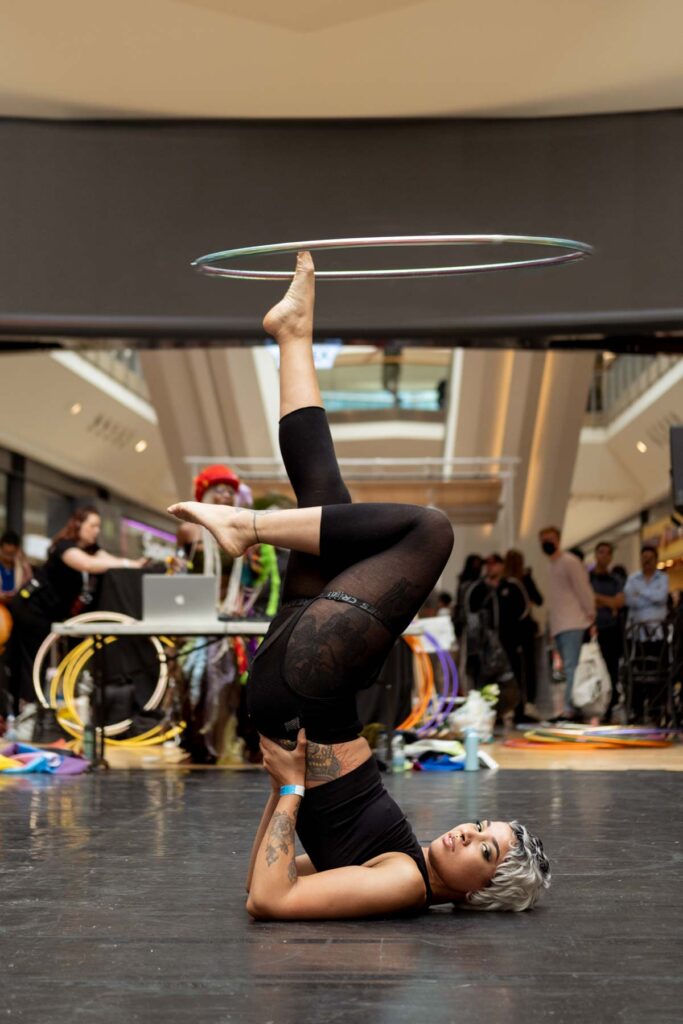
<point>568,644</point>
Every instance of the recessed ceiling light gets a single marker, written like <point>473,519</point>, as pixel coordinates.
<point>141,446</point>
<point>76,408</point>
<point>641,446</point>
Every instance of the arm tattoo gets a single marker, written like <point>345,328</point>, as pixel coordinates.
<point>321,762</point>
<point>280,837</point>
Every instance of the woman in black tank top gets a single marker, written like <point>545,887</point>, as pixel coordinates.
<point>357,575</point>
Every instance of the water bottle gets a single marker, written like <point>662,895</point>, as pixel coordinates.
<point>398,755</point>
<point>471,750</point>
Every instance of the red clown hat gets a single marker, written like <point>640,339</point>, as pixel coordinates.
<point>210,476</point>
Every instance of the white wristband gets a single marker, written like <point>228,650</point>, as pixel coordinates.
<point>292,791</point>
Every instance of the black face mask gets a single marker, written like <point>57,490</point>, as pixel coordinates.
<point>549,546</point>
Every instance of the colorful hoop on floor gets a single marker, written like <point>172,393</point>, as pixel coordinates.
<point>208,264</point>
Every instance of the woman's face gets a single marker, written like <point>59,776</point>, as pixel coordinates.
<point>220,494</point>
<point>467,857</point>
<point>89,531</point>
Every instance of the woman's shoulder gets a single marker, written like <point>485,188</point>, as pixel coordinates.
<point>59,548</point>
<point>404,873</point>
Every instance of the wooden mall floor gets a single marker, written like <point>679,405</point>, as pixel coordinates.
<point>122,900</point>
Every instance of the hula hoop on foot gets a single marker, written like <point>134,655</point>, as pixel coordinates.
<point>571,251</point>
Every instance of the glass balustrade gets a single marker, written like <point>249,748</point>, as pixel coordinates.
<point>393,380</point>
<point>619,380</point>
<point>122,365</point>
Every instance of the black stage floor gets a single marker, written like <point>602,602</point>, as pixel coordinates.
<point>122,901</point>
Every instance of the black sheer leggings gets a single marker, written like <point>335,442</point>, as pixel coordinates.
<point>387,555</point>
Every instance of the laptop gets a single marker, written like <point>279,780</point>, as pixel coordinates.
<point>169,600</point>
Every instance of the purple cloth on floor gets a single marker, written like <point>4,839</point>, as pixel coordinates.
<point>33,759</point>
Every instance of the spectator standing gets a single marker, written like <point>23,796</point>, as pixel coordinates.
<point>481,595</point>
<point>505,605</point>
<point>471,572</point>
<point>514,569</point>
<point>445,604</point>
<point>647,600</point>
<point>514,610</point>
<point>609,600</point>
<point>571,607</point>
<point>647,593</point>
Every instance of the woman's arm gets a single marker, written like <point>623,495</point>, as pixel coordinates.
<point>260,832</point>
<point>274,871</point>
<point>604,601</point>
<point>535,596</point>
<point>276,831</point>
<point>81,561</point>
<point>277,892</point>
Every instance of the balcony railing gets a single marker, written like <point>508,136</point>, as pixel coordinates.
<point>122,365</point>
<point>619,381</point>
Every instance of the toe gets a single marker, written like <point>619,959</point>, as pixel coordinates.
<point>304,261</point>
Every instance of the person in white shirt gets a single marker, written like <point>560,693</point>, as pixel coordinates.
<point>647,593</point>
<point>571,607</point>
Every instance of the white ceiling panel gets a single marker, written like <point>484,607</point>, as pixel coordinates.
<point>338,58</point>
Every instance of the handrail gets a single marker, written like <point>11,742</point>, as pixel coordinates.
<point>431,468</point>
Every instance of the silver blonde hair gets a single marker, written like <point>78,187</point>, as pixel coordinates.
<point>520,879</point>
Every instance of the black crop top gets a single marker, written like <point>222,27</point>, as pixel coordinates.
<point>353,819</point>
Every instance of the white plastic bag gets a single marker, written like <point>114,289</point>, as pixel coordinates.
<point>441,628</point>
<point>592,686</point>
<point>476,713</point>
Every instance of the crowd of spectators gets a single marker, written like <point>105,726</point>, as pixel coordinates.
<point>628,615</point>
<point>493,614</point>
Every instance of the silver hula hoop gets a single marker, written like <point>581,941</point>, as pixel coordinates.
<point>572,251</point>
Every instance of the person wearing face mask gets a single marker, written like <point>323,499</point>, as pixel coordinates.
<point>571,607</point>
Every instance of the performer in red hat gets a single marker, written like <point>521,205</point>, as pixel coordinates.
<point>221,481</point>
<point>215,485</point>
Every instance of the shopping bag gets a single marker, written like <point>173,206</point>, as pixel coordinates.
<point>592,685</point>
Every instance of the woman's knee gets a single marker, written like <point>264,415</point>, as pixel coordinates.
<point>438,528</point>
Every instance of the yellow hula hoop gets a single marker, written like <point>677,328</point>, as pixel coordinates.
<point>82,654</point>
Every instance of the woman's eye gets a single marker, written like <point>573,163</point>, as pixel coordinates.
<point>487,853</point>
<point>479,826</point>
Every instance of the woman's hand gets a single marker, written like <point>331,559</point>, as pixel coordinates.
<point>285,767</point>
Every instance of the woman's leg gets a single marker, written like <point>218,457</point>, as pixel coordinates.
<point>305,443</point>
<point>305,440</point>
<point>290,322</point>
<point>389,557</point>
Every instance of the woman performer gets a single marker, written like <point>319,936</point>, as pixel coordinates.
<point>357,575</point>
<point>50,595</point>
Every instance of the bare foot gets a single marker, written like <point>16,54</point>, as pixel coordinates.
<point>232,527</point>
<point>293,314</point>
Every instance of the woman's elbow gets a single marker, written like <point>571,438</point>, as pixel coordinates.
<point>259,910</point>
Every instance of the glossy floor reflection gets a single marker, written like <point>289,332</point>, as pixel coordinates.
<point>122,901</point>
